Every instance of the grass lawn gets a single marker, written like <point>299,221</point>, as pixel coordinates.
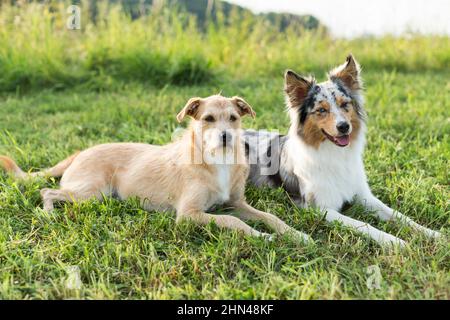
<point>123,251</point>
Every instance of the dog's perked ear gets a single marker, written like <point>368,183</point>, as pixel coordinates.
<point>243,107</point>
<point>348,73</point>
<point>296,88</point>
<point>190,109</point>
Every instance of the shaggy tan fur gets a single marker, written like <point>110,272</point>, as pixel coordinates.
<point>168,177</point>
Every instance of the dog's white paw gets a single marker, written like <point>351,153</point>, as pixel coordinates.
<point>266,236</point>
<point>400,243</point>
<point>302,237</point>
<point>390,240</point>
<point>433,234</point>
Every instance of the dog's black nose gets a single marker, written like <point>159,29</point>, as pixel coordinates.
<point>343,127</point>
<point>226,138</point>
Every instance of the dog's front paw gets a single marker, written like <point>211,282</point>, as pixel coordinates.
<point>302,237</point>
<point>392,241</point>
<point>267,236</point>
<point>434,234</point>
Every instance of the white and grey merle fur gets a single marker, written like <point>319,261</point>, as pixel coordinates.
<point>329,176</point>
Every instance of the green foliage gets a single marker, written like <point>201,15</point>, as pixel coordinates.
<point>166,46</point>
<point>136,68</point>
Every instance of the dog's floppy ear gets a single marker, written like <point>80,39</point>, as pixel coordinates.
<point>296,88</point>
<point>190,109</point>
<point>348,73</point>
<point>243,107</point>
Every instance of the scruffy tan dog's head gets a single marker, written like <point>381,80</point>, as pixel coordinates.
<point>328,111</point>
<point>216,120</point>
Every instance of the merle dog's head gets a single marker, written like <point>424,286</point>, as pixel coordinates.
<point>328,111</point>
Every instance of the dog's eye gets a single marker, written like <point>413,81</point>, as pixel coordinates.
<point>233,118</point>
<point>345,106</point>
<point>210,119</point>
<point>322,110</point>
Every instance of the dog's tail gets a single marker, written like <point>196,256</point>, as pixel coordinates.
<point>57,171</point>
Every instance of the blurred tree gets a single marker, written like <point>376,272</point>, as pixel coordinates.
<point>206,11</point>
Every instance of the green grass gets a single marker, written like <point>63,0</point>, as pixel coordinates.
<point>125,81</point>
<point>125,252</point>
<point>166,47</point>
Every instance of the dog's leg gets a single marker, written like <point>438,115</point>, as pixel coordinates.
<point>247,212</point>
<point>365,228</point>
<point>222,221</point>
<point>190,208</point>
<point>385,213</point>
<point>51,195</point>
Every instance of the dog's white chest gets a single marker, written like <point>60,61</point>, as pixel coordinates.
<point>331,176</point>
<point>334,185</point>
<point>223,182</point>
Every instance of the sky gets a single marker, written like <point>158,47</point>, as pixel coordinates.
<point>352,18</point>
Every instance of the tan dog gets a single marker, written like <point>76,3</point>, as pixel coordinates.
<point>205,167</point>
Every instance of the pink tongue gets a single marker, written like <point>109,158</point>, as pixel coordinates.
<point>343,140</point>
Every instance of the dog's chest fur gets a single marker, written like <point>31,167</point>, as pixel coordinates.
<point>326,177</point>
<point>329,176</point>
<point>220,185</point>
<point>223,182</point>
